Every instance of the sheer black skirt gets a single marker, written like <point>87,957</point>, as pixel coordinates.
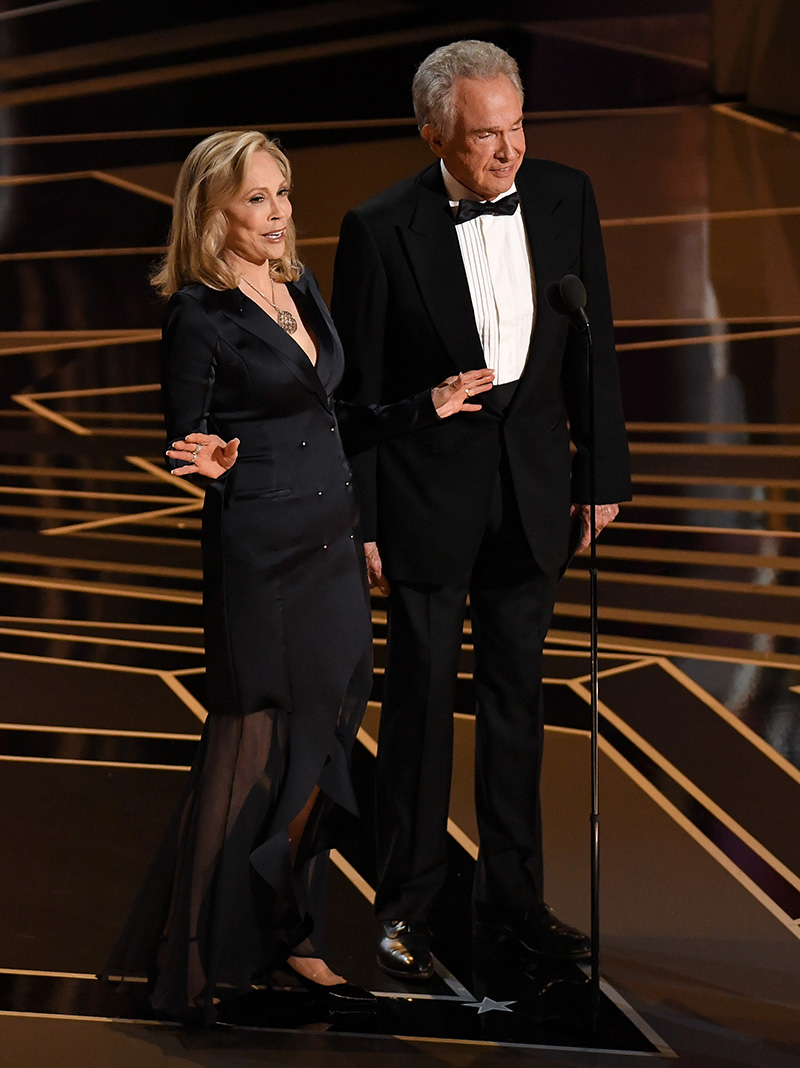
<point>223,903</point>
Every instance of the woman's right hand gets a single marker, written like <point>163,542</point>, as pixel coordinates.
<point>204,454</point>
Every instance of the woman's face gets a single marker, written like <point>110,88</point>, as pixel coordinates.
<point>259,213</point>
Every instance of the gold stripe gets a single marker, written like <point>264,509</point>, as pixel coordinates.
<point>164,476</point>
<point>120,419</point>
<point>80,253</point>
<point>93,763</point>
<point>679,342</point>
<point>136,517</point>
<point>144,593</point>
<point>353,876</point>
<point>46,513</point>
<point>716,480</point>
<point>148,539</point>
<point>86,343</point>
<point>189,71</point>
<point>717,428</point>
<point>150,387</point>
<point>733,721</point>
<point>130,432</point>
<point>678,448</point>
<point>705,843</point>
<point>36,559</point>
<point>702,216</point>
<point>322,124</point>
<point>751,561</point>
<point>46,413</point>
<point>101,625</point>
<point>72,473</point>
<point>714,504</point>
<point>99,495</point>
<point>101,731</point>
<point>701,585</point>
<point>60,661</point>
<point>710,320</point>
<point>672,528</point>
<point>184,36</point>
<point>731,111</point>
<point>691,788</point>
<point>132,187</point>
<point>682,619</point>
<point>43,179</point>
<point>188,698</point>
<point>93,639</point>
<point>619,669</point>
<point>613,644</point>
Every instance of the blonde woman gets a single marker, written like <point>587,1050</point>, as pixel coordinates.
<point>250,363</point>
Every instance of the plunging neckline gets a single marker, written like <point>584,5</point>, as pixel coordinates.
<point>314,339</point>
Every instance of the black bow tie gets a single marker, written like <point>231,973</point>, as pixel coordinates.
<point>471,209</point>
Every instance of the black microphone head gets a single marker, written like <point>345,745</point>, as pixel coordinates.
<point>554,298</point>
<point>572,292</point>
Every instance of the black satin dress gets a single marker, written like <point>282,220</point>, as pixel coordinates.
<point>288,650</point>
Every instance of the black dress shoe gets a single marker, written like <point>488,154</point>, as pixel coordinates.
<point>540,934</point>
<point>404,949</point>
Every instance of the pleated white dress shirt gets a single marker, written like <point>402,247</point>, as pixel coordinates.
<point>499,270</point>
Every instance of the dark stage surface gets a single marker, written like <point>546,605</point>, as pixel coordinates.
<point>101,659</point>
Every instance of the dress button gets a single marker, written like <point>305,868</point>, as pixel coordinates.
<point>352,535</point>
<point>324,546</point>
<point>347,483</point>
<point>319,493</point>
<point>304,443</point>
<point>333,429</point>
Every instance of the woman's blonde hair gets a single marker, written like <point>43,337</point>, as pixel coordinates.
<point>210,177</point>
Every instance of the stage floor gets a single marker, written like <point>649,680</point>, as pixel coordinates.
<point>101,659</point>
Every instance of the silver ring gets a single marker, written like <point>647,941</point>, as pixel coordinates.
<point>197,449</point>
<point>466,390</point>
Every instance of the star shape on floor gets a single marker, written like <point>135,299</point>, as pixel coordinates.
<point>490,1005</point>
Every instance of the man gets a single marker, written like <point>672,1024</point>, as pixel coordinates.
<point>429,280</point>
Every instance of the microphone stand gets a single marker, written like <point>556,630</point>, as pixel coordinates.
<point>594,817</point>
<point>568,297</point>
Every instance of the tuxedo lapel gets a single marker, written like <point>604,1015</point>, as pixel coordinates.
<point>247,315</point>
<point>435,257</point>
<point>542,229</point>
<point>540,210</point>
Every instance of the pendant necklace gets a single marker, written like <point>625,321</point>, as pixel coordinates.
<point>285,318</point>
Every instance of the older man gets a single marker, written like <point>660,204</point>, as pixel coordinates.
<point>440,273</point>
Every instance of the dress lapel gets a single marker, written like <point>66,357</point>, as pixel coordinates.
<point>435,256</point>
<point>247,315</point>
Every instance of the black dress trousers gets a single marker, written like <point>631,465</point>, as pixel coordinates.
<point>511,605</point>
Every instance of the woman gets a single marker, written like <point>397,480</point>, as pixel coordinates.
<point>250,362</point>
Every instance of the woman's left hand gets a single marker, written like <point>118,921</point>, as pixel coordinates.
<point>204,454</point>
<point>451,396</point>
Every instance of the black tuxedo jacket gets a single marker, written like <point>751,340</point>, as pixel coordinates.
<point>402,307</point>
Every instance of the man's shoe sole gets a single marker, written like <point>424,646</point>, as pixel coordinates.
<point>396,974</point>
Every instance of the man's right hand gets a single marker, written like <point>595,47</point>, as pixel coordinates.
<point>377,579</point>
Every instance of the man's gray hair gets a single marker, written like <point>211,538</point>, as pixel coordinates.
<point>434,82</point>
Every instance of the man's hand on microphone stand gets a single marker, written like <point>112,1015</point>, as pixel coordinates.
<point>603,515</point>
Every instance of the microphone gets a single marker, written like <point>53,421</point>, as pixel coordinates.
<point>568,297</point>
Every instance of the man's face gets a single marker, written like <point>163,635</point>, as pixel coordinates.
<point>487,144</point>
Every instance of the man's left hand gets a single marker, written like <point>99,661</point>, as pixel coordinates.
<point>603,515</point>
